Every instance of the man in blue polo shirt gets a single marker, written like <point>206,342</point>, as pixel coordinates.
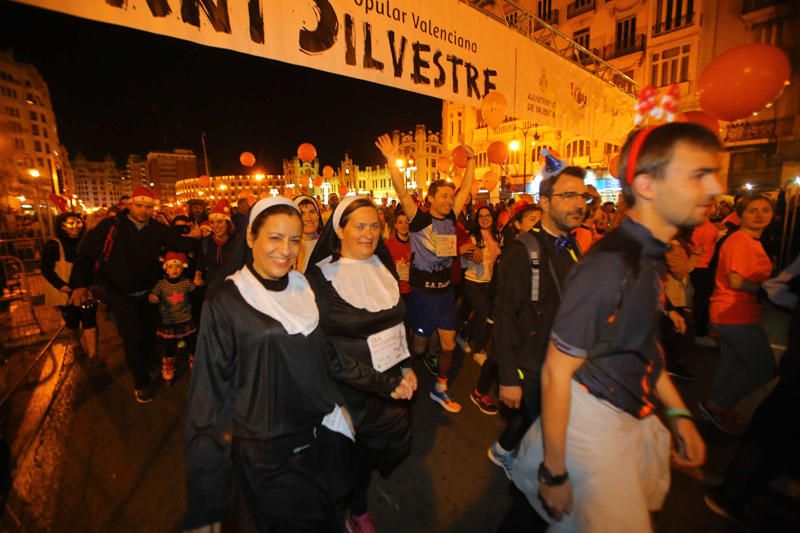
<point>433,247</point>
<point>598,460</point>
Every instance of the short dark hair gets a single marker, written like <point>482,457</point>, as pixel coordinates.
<point>547,186</point>
<point>438,184</point>
<point>280,209</point>
<point>747,199</point>
<point>657,150</point>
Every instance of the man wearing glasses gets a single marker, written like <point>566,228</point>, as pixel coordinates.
<point>530,279</point>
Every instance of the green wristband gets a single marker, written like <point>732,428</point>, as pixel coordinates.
<point>679,413</point>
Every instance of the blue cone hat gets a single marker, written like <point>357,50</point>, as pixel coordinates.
<point>552,166</point>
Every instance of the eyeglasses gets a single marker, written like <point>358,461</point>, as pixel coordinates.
<point>572,196</point>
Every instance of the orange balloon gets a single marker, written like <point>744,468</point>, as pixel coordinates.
<point>743,80</point>
<point>317,181</point>
<point>306,152</point>
<point>702,118</point>
<point>327,171</point>
<point>443,164</point>
<point>459,156</point>
<point>476,187</point>
<point>247,159</point>
<point>497,152</point>
<point>204,181</point>
<point>490,180</point>
<point>457,179</point>
<point>343,190</point>
<point>613,166</point>
<point>494,108</point>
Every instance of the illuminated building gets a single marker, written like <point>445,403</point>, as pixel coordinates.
<point>98,183</point>
<point>229,188</point>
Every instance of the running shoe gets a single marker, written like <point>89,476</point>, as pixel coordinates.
<point>501,458</point>
<point>443,399</point>
<point>167,368</point>
<point>462,343</point>
<point>724,420</point>
<point>484,402</point>
<point>360,524</point>
<point>144,395</point>
<point>707,341</point>
<point>432,364</point>
<point>479,357</point>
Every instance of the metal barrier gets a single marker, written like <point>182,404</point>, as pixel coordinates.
<point>17,291</point>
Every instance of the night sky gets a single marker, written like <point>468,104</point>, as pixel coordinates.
<point>119,91</point>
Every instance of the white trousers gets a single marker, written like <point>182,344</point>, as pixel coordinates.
<point>618,467</point>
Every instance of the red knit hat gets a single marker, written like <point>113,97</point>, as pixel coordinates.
<point>143,193</point>
<point>175,256</point>
<point>221,209</point>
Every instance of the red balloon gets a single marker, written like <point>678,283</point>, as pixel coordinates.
<point>702,118</point>
<point>204,181</point>
<point>497,152</point>
<point>317,181</point>
<point>306,152</point>
<point>327,171</point>
<point>493,108</point>
<point>490,180</point>
<point>443,165</point>
<point>343,190</point>
<point>247,159</point>
<point>613,166</point>
<point>476,187</point>
<point>459,156</point>
<point>743,80</point>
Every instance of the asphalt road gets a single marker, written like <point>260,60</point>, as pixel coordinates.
<point>101,462</point>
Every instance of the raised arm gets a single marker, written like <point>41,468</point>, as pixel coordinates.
<point>466,185</point>
<point>390,150</point>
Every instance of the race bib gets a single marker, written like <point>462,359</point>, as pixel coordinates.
<point>445,245</point>
<point>388,347</point>
<point>403,270</point>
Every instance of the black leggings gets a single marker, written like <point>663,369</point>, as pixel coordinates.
<point>74,316</point>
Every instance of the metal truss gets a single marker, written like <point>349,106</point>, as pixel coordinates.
<point>518,18</point>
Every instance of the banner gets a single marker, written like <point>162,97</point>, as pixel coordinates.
<point>440,48</point>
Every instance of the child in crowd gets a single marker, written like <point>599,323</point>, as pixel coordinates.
<point>176,330</point>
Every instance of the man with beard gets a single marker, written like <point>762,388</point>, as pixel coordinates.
<point>530,278</point>
<point>598,460</point>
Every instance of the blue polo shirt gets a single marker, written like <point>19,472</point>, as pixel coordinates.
<point>609,315</point>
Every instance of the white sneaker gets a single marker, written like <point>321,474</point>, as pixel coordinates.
<point>463,344</point>
<point>706,341</point>
<point>479,357</point>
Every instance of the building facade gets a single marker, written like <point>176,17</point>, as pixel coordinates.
<point>98,183</point>
<point>34,164</point>
<point>229,188</point>
<point>164,169</point>
<point>658,43</point>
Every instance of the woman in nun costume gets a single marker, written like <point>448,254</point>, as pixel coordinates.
<point>265,432</point>
<point>360,309</point>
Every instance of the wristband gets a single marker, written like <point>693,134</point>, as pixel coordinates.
<point>679,413</point>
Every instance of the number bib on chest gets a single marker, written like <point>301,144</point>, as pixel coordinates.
<point>444,245</point>
<point>388,347</point>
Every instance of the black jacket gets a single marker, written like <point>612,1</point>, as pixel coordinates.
<point>380,421</point>
<point>133,264</point>
<point>522,326</point>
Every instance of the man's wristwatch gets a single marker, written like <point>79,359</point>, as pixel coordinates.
<point>547,478</point>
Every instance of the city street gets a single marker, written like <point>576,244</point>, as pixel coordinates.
<point>93,459</point>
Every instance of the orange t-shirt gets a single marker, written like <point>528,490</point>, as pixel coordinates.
<point>745,256</point>
<point>704,237</point>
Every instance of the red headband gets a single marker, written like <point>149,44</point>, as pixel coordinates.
<point>633,153</point>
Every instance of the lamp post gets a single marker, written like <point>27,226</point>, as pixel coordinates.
<point>514,146</point>
<point>35,174</point>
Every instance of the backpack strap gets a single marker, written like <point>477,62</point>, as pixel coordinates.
<point>531,244</point>
<point>108,246</point>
